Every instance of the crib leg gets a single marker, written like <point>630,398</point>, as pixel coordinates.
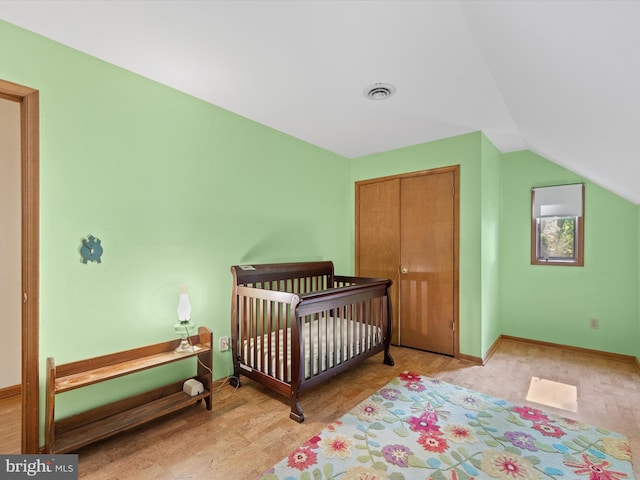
<point>388,359</point>
<point>296,412</point>
<point>234,380</point>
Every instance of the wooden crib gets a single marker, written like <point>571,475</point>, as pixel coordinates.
<point>294,325</point>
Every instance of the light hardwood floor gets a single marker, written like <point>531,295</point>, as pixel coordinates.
<point>10,410</point>
<point>249,429</point>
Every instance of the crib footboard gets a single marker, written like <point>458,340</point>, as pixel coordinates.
<point>291,341</point>
<point>261,337</point>
<point>337,329</point>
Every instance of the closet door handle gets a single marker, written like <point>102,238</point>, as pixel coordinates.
<point>404,270</point>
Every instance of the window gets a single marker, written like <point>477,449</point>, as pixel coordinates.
<point>557,225</point>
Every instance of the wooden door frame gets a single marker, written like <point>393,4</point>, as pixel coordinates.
<point>456,238</point>
<point>30,198</point>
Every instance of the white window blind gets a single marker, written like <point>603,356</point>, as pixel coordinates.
<point>558,201</point>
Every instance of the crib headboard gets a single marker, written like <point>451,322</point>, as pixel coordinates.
<point>300,277</point>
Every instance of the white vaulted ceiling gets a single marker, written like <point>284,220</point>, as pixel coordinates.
<point>561,78</point>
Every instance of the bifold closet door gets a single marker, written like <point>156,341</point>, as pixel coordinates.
<point>378,236</point>
<point>406,231</point>
<point>426,291</point>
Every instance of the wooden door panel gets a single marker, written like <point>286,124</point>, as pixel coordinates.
<point>426,320</point>
<point>427,256</point>
<point>378,235</point>
<point>415,306</point>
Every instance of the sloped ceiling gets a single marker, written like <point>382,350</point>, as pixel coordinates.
<point>560,78</point>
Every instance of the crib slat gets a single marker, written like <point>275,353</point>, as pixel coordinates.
<point>308,329</point>
<point>275,343</point>
<point>323,346</point>
<point>267,335</point>
<point>286,373</point>
<point>255,322</point>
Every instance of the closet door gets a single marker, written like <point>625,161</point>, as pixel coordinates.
<point>406,230</point>
<point>378,235</point>
<point>427,262</point>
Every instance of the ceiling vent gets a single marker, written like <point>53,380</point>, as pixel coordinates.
<point>379,91</point>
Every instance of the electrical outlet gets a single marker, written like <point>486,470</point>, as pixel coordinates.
<point>224,344</point>
<point>593,323</point>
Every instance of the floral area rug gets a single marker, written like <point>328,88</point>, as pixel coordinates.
<point>423,428</point>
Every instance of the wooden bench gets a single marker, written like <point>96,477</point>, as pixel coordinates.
<point>71,433</point>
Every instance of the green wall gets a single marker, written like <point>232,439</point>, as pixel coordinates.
<point>490,179</point>
<point>178,190</point>
<point>555,303</point>
<point>637,338</point>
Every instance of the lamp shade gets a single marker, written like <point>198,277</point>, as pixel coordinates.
<point>184,307</point>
